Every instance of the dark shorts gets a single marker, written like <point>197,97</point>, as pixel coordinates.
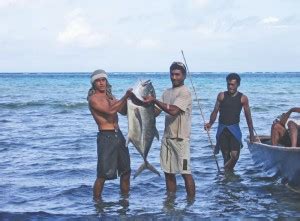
<point>228,142</point>
<point>286,140</point>
<point>113,155</point>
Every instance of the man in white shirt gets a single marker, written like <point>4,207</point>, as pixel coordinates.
<point>175,148</point>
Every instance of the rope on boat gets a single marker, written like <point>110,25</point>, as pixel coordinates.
<point>256,135</point>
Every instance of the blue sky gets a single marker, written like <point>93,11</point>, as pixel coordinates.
<point>140,35</point>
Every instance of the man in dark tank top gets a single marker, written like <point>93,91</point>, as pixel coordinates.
<point>229,136</point>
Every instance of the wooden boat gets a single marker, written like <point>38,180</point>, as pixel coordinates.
<point>284,161</point>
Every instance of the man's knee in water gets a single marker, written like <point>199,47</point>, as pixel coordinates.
<point>125,176</point>
<point>292,125</point>
<point>226,156</point>
<point>234,155</point>
<point>277,127</point>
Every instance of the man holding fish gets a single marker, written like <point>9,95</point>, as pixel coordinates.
<point>113,155</point>
<point>175,148</point>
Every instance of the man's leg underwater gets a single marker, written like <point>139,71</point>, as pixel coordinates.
<point>225,146</point>
<point>170,182</point>
<point>225,154</point>
<point>234,156</point>
<point>189,184</point>
<point>98,187</point>
<point>125,183</point>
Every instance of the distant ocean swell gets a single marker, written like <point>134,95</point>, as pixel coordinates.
<point>32,104</point>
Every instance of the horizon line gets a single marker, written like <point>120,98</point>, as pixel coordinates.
<point>85,72</point>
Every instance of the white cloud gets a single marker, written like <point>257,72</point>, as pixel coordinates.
<point>148,44</point>
<point>80,33</point>
<point>200,3</point>
<point>270,20</point>
<point>9,3</point>
<point>157,28</point>
<point>204,30</point>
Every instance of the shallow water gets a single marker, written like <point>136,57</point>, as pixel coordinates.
<point>48,152</point>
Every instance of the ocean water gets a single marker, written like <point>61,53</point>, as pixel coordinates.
<point>48,152</point>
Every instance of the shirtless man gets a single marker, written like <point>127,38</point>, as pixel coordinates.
<point>288,137</point>
<point>113,155</point>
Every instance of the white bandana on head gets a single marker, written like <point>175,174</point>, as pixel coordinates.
<point>98,74</point>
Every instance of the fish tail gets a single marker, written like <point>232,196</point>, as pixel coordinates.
<point>152,168</point>
<point>145,165</point>
<point>141,168</point>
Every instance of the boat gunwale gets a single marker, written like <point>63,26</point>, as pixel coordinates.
<point>289,149</point>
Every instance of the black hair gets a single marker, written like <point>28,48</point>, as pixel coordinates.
<point>178,66</point>
<point>234,76</point>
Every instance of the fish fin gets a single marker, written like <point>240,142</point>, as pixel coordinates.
<point>138,116</point>
<point>156,134</point>
<point>145,165</point>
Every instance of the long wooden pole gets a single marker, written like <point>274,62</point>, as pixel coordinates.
<point>199,106</point>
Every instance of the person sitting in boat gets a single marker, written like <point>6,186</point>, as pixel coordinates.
<point>286,131</point>
<point>229,136</point>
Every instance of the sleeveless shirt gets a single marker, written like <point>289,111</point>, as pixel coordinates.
<point>230,109</point>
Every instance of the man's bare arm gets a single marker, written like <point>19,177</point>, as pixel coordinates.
<point>168,108</point>
<point>295,109</point>
<point>245,103</point>
<point>123,110</point>
<point>134,100</point>
<point>157,111</point>
<point>214,113</point>
<point>284,118</point>
<point>97,104</point>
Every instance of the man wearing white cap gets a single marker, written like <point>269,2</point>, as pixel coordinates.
<point>113,155</point>
<point>176,102</point>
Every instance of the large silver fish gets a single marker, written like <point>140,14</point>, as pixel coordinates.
<point>141,124</point>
